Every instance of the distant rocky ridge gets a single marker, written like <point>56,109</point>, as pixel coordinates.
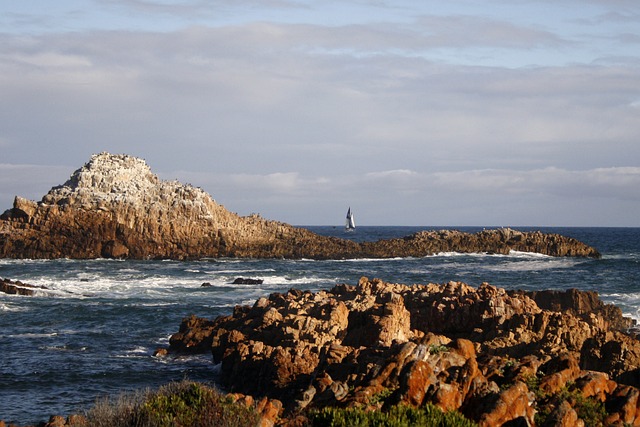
<point>115,207</point>
<point>549,358</point>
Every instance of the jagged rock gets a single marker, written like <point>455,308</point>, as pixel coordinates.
<point>559,372</point>
<point>564,416</point>
<point>584,304</point>
<point>623,406</point>
<point>508,405</point>
<point>267,409</point>
<point>194,336</point>
<point>18,288</point>
<point>115,207</point>
<point>474,350</point>
<point>160,352</point>
<point>247,281</point>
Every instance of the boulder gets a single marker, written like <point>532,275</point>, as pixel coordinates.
<point>194,336</point>
<point>509,405</point>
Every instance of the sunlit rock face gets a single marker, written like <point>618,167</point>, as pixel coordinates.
<point>497,356</point>
<point>115,207</point>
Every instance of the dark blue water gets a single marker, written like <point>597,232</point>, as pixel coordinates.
<point>95,332</point>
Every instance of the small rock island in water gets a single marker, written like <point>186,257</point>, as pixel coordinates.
<point>115,207</point>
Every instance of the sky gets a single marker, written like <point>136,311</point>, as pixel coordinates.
<point>426,113</point>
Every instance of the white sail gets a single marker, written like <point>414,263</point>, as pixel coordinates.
<point>351,223</point>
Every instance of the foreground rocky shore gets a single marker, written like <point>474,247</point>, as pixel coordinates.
<point>115,207</point>
<point>558,358</point>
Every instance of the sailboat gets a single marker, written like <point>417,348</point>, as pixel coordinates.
<point>351,224</point>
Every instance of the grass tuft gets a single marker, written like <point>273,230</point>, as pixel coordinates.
<point>397,416</point>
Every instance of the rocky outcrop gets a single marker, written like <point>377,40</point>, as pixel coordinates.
<point>115,207</point>
<point>495,356</point>
<point>495,241</point>
<point>247,281</point>
<point>16,287</point>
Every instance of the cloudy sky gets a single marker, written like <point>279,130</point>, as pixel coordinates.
<point>412,112</point>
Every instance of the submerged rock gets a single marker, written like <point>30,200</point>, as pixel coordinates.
<point>18,288</point>
<point>494,355</point>
<point>247,281</point>
<point>115,207</point>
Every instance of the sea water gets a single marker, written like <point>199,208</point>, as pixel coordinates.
<point>94,332</point>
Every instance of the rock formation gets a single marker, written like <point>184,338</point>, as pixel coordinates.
<point>496,356</point>
<point>16,287</point>
<point>115,207</point>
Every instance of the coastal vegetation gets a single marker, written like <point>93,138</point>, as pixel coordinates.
<point>182,403</point>
<point>188,403</point>
<point>397,416</point>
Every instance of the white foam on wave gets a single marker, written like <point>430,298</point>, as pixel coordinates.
<point>629,303</point>
<point>511,254</point>
<point>134,353</point>
<point>12,308</point>
<point>533,264</point>
<point>22,261</point>
<point>624,257</point>
<point>63,348</point>
<point>31,335</point>
<point>360,260</point>
<point>521,254</point>
<point>288,281</point>
<point>521,267</point>
<point>455,254</point>
<point>450,254</point>
<point>116,287</point>
<point>222,260</point>
<point>162,291</point>
<point>240,271</point>
<point>152,304</point>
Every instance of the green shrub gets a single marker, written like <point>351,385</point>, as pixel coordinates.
<point>380,397</point>
<point>176,404</point>
<point>120,411</point>
<point>437,348</point>
<point>398,416</point>
<point>589,410</point>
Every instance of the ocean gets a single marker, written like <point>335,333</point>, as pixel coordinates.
<point>95,331</point>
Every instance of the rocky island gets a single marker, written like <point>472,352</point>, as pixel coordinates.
<point>115,207</point>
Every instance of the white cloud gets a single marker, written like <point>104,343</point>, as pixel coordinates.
<point>401,174</point>
<point>618,181</point>
<point>274,182</point>
<point>311,112</point>
<point>548,196</point>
